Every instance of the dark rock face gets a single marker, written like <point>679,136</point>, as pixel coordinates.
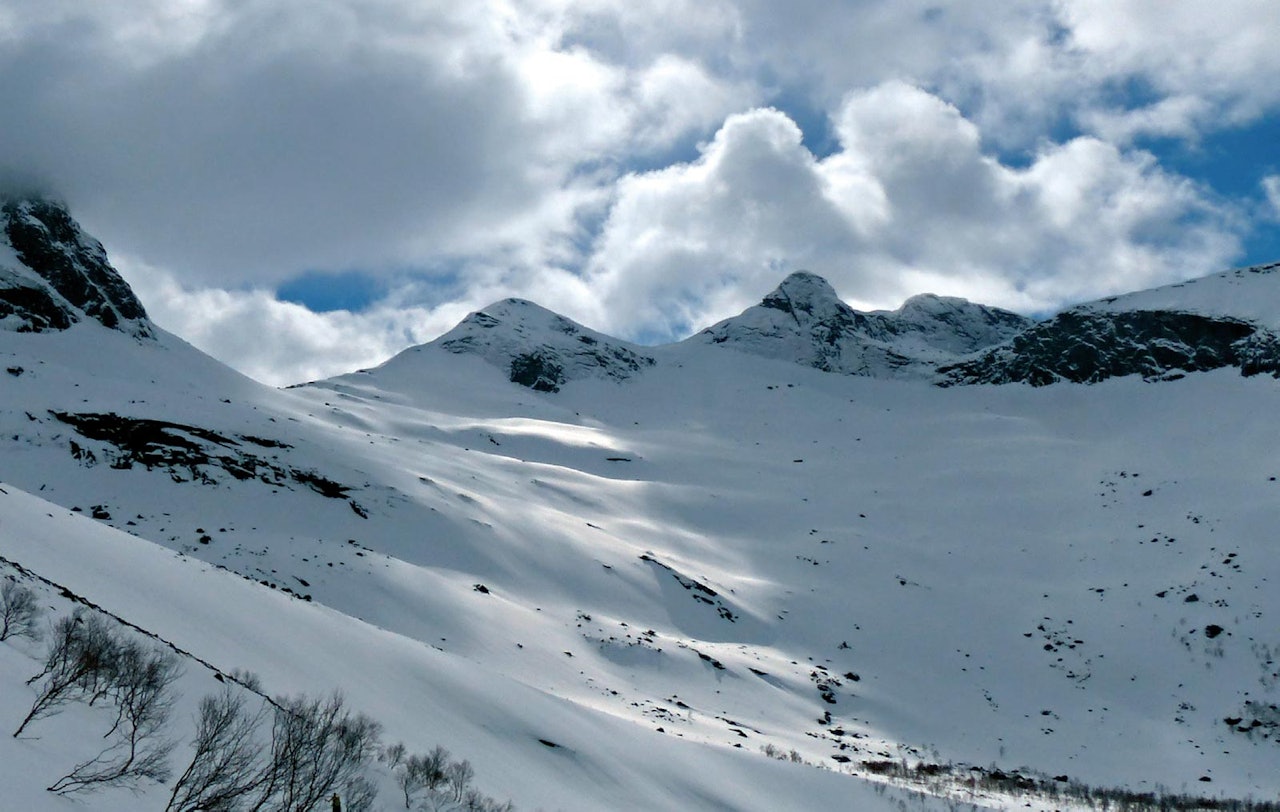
<point>1087,346</point>
<point>33,308</point>
<point>536,371</point>
<point>71,276</point>
<point>1260,354</point>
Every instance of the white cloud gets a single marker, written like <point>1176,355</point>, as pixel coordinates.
<point>750,208</point>
<point>1171,117</point>
<point>267,138</point>
<point>281,343</point>
<point>1271,187</point>
<point>276,342</point>
<point>1202,65</point>
<point>490,149</point>
<point>909,202</point>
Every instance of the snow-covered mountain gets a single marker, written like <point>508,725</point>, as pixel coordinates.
<point>621,593</point>
<point>805,322</point>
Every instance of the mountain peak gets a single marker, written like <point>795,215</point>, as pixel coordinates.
<point>538,348</point>
<point>804,292</point>
<point>53,274</point>
<point>804,321</point>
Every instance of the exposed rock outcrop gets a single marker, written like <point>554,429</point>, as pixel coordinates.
<point>53,275</point>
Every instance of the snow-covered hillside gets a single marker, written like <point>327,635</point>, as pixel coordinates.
<point>1250,294</point>
<point>665,572</point>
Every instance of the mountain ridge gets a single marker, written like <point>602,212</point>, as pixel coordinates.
<point>53,275</point>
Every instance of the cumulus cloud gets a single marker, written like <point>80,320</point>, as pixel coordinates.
<point>250,141</point>
<point>1218,52</point>
<point>1271,187</point>
<point>1018,68</point>
<point>636,166</point>
<point>909,202</point>
<point>282,343</point>
<point>276,342</point>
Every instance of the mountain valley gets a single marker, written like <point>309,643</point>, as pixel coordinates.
<point>620,576</point>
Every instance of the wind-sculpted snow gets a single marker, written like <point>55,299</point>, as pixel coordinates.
<point>805,322</point>
<point>53,275</point>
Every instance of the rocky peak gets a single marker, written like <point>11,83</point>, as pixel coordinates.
<point>807,293</point>
<point>806,322</point>
<point>53,274</point>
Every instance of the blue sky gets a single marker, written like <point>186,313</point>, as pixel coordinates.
<point>341,180</point>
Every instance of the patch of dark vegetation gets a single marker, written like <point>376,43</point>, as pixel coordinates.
<point>263,441</point>
<point>826,684</point>
<point>1024,784</point>
<point>188,453</point>
<point>712,661</point>
<point>321,485</point>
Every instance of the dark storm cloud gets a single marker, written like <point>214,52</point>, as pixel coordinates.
<point>266,147</point>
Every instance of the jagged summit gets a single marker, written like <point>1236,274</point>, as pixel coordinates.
<point>805,321</point>
<point>53,274</point>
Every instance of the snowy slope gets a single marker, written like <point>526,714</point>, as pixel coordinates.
<point>1251,294</point>
<point>423,695</point>
<point>920,526</point>
<point>733,550</point>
